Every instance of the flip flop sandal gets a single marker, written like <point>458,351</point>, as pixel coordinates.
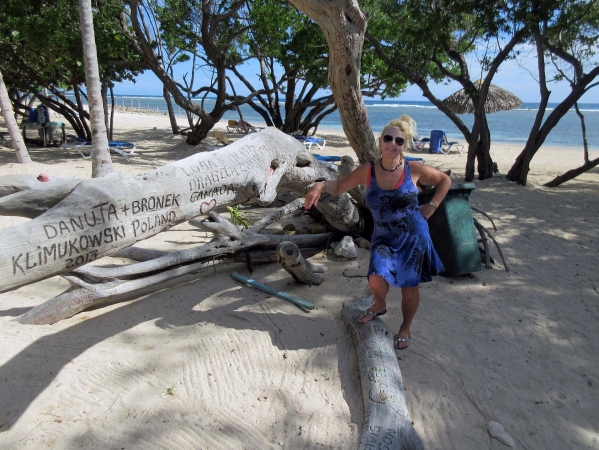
<point>397,340</point>
<point>374,314</point>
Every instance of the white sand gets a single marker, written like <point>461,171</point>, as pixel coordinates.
<point>251,371</point>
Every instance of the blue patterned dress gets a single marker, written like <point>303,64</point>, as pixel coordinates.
<point>401,248</point>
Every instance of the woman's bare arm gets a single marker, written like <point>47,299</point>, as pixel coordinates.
<point>432,177</point>
<point>337,187</point>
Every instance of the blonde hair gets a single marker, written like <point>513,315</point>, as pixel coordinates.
<point>406,125</point>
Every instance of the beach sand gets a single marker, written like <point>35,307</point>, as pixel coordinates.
<point>203,362</point>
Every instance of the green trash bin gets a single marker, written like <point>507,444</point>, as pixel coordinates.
<point>452,230</point>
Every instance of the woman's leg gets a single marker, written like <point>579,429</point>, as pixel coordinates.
<point>410,300</point>
<point>379,288</point>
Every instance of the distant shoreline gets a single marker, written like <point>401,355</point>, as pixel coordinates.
<point>328,129</point>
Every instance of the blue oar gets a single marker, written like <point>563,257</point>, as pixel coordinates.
<point>280,294</point>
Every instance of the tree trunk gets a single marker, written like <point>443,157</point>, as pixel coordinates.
<point>103,215</point>
<point>571,174</point>
<point>171,112</point>
<point>583,128</point>
<point>344,25</point>
<point>228,240</point>
<point>111,122</point>
<point>199,131</point>
<point>540,130</point>
<point>101,162</point>
<point>387,423</point>
<point>13,128</point>
<point>479,148</point>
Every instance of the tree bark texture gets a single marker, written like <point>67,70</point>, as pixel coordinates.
<point>344,26</point>
<point>26,196</point>
<point>171,112</point>
<point>13,128</point>
<point>291,259</point>
<point>479,147</point>
<point>103,215</point>
<point>101,162</point>
<point>113,283</point>
<point>387,422</point>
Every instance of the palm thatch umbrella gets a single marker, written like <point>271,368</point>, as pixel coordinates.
<point>498,99</point>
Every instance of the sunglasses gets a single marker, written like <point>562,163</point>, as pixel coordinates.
<point>398,140</point>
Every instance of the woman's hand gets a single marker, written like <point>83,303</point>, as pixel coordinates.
<point>313,195</point>
<point>427,210</point>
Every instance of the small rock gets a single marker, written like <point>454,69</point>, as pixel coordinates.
<point>304,230</point>
<point>497,431</point>
<point>493,376</point>
<point>289,227</point>
<point>346,248</point>
<point>362,243</point>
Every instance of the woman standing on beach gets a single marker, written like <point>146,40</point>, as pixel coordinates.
<point>402,252</point>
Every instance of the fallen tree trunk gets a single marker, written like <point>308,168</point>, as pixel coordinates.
<point>229,239</point>
<point>28,196</point>
<point>387,422</point>
<point>100,216</point>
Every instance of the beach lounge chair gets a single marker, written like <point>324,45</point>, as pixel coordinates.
<point>446,147</point>
<point>242,127</point>
<point>232,127</point>
<point>326,158</point>
<point>436,141</point>
<point>80,145</point>
<point>310,141</point>
<point>414,158</point>
<point>439,144</point>
<point>46,131</point>
<point>418,143</point>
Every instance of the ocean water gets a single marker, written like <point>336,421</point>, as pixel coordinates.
<point>506,126</point>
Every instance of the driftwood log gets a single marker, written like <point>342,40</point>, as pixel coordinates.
<point>387,421</point>
<point>101,216</point>
<point>292,260</point>
<point>114,281</point>
<point>26,196</point>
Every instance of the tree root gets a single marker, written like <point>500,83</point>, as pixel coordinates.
<point>482,230</point>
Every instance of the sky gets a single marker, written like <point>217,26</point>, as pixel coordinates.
<point>516,77</point>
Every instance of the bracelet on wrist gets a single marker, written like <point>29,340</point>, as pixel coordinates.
<point>326,186</point>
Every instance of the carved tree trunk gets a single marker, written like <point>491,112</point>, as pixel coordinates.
<point>111,282</point>
<point>13,128</point>
<point>101,162</point>
<point>387,422</point>
<point>344,26</point>
<point>103,215</point>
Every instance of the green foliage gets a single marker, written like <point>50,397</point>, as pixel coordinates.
<point>171,391</point>
<point>239,217</point>
<point>44,38</point>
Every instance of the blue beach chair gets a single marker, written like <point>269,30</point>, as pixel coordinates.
<point>414,158</point>
<point>326,158</point>
<point>121,147</point>
<point>310,141</point>
<point>439,144</point>
<point>436,141</point>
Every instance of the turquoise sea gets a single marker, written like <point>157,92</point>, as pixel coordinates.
<point>506,126</point>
